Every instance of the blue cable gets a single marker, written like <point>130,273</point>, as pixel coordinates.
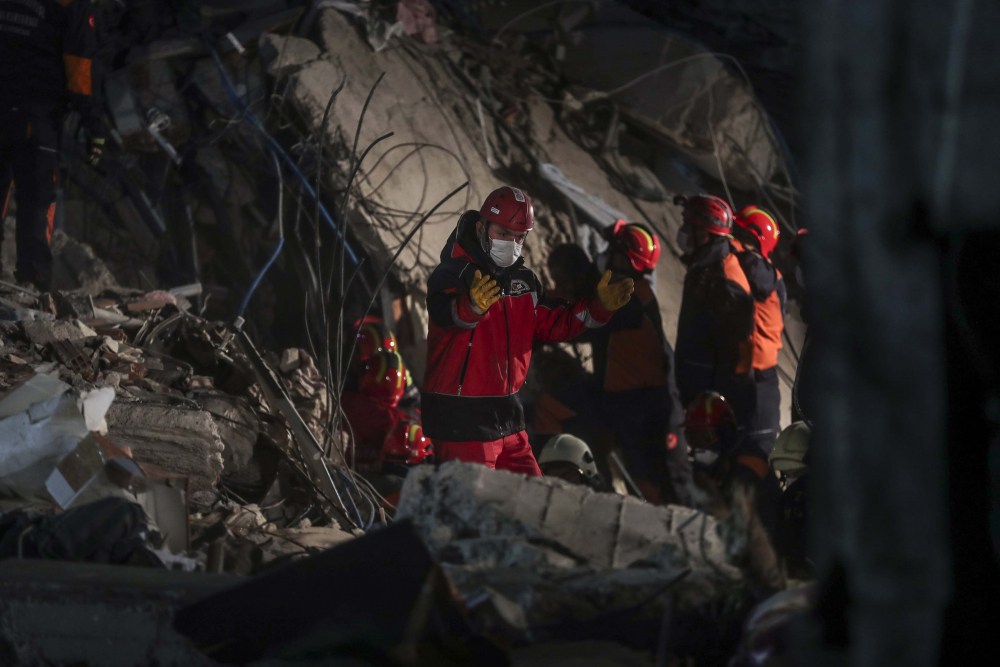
<point>260,276</point>
<point>276,147</point>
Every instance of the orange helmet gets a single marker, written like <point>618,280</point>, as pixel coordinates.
<point>759,222</point>
<point>636,241</point>
<point>406,444</point>
<point>509,208</point>
<point>706,414</point>
<point>383,377</point>
<point>373,336</point>
<point>707,212</point>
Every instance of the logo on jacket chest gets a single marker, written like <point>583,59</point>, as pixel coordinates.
<point>519,287</point>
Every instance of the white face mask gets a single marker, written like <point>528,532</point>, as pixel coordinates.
<point>684,240</point>
<point>504,253</point>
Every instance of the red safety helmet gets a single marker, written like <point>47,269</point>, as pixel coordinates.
<point>640,244</point>
<point>383,377</point>
<point>705,414</point>
<point>406,444</point>
<point>373,336</point>
<point>509,208</point>
<point>707,212</point>
<point>759,222</point>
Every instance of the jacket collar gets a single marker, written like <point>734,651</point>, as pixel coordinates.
<point>715,250</point>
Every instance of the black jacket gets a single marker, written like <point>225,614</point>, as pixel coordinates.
<point>46,54</point>
<point>716,324</point>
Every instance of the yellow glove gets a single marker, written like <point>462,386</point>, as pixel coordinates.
<point>615,296</point>
<point>483,293</point>
<point>96,150</point>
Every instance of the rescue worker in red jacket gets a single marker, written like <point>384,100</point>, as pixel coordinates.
<point>485,310</point>
<point>46,50</point>
<point>715,327</point>
<point>756,235</point>
<point>372,410</point>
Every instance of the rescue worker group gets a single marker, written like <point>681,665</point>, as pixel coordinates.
<point>697,425</point>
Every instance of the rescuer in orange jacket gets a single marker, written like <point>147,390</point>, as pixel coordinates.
<point>756,235</point>
<point>46,50</point>
<point>485,310</point>
<point>715,327</point>
<point>633,365</point>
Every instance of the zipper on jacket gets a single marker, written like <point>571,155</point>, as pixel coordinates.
<point>506,325</point>
<point>465,365</point>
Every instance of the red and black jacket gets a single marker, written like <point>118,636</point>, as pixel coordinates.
<point>476,364</point>
<point>715,326</point>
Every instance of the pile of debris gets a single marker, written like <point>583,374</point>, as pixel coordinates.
<point>131,395</point>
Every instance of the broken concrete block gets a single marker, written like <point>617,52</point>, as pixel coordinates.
<point>283,54</point>
<point>461,501</point>
<point>311,87</point>
<point>238,426</point>
<point>178,439</point>
<point>41,332</point>
<point>76,266</point>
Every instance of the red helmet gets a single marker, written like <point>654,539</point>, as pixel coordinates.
<point>373,336</point>
<point>759,222</point>
<point>406,444</point>
<point>705,414</point>
<point>510,208</point>
<point>383,377</point>
<point>640,244</point>
<point>708,212</point>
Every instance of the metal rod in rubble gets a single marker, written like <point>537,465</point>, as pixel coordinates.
<point>626,476</point>
<point>312,453</point>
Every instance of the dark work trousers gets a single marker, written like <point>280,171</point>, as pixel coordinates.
<point>765,426</point>
<point>29,141</point>
<point>640,419</point>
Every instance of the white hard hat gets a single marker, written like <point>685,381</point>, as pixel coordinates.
<point>790,448</point>
<point>570,449</point>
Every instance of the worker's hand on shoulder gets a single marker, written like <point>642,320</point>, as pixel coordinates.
<point>483,293</point>
<point>614,296</point>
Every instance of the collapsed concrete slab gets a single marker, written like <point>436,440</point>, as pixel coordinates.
<point>178,439</point>
<point>283,54</point>
<point>460,502</point>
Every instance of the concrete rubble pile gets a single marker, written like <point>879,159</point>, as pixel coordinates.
<point>547,555</point>
<point>110,393</point>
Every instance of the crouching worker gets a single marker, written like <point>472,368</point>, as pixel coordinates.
<point>569,458</point>
<point>485,309</point>
<point>372,408</point>
<point>790,459</point>
<point>733,484</point>
<point>404,448</point>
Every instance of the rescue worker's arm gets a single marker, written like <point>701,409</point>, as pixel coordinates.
<point>761,275</point>
<point>759,560</point>
<point>449,303</point>
<point>734,329</point>
<point>555,321</point>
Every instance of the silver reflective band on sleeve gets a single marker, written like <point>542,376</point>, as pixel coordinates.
<point>457,320</point>
<point>588,321</point>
